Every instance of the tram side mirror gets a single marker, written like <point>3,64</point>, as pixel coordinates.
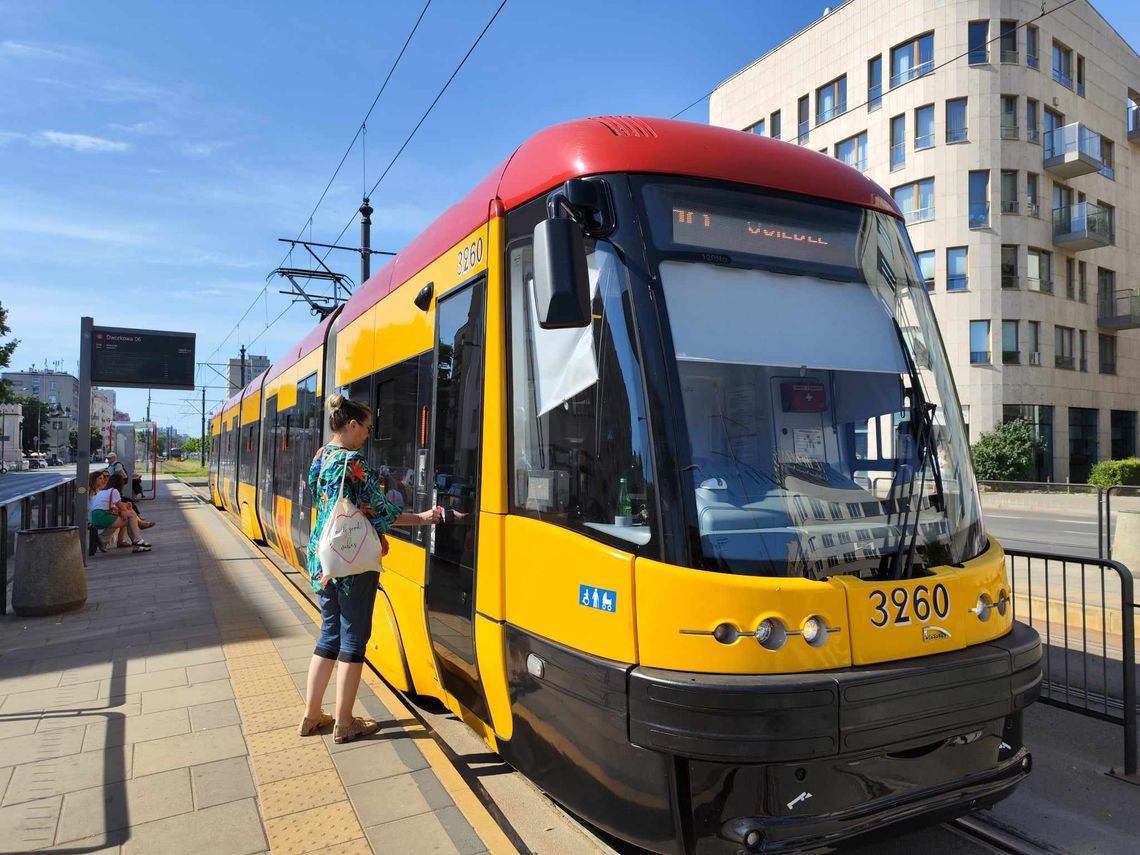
<point>561,277</point>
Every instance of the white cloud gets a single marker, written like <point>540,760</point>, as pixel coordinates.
<point>202,149</point>
<point>69,228</point>
<point>79,142</point>
<point>23,50</point>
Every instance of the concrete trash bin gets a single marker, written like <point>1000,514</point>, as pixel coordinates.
<point>49,574</point>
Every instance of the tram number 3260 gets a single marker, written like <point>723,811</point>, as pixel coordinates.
<point>902,604</point>
<point>469,257</point>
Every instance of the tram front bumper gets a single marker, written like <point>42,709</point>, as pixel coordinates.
<point>803,761</point>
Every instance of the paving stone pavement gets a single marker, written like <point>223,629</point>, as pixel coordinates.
<point>161,718</point>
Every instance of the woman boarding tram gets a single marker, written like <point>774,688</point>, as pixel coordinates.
<point>716,576</point>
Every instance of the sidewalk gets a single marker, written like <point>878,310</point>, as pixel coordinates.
<point>162,718</point>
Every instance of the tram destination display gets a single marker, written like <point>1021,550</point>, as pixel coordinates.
<point>147,359</point>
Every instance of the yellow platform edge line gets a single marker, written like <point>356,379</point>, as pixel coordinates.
<point>468,803</point>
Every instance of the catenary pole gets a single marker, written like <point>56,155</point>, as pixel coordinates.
<point>202,445</point>
<point>83,434</point>
<point>365,241</point>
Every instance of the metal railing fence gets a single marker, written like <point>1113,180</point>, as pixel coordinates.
<point>1084,610</point>
<point>46,507</point>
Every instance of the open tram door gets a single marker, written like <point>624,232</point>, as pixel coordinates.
<point>453,480</point>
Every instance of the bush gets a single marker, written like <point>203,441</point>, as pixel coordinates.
<point>1110,472</point>
<point>1006,453</point>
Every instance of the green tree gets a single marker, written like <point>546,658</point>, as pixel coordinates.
<point>7,396</point>
<point>35,412</point>
<point>1007,452</point>
<point>73,439</point>
<point>194,445</point>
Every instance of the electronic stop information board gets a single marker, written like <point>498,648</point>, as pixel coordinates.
<point>147,359</point>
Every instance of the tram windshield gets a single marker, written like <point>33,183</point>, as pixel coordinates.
<point>824,432</point>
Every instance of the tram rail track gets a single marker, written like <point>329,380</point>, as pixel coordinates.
<point>999,839</point>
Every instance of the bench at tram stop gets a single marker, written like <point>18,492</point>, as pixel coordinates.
<point>49,576</point>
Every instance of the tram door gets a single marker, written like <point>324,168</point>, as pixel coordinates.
<point>451,571</point>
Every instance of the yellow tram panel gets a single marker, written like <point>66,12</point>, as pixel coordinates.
<point>491,647</point>
<point>355,349</point>
<point>550,564</point>
<point>491,560</point>
<point>679,608</point>
<point>385,648</point>
<point>407,600</point>
<point>400,329</point>
<point>493,478</point>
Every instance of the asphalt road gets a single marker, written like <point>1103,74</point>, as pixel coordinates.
<point>1044,531</point>
<point>13,484</point>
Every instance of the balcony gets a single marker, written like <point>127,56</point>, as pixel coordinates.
<point>1033,135</point>
<point>1031,207</point>
<point>1134,123</point>
<point>1082,226</point>
<point>1066,362</point>
<point>908,74</point>
<point>1010,282</point>
<point>1119,310</point>
<point>1043,286</point>
<point>1009,132</point>
<point>1009,206</point>
<point>1011,357</point>
<point>1072,150</point>
<point>1009,56</point>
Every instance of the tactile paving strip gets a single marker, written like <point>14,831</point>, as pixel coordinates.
<point>282,739</point>
<point>301,793</point>
<point>275,701</point>
<point>292,762</point>
<point>312,830</point>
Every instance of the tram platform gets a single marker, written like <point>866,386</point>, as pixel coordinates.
<point>162,718</point>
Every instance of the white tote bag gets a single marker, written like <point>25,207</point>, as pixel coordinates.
<point>348,543</point>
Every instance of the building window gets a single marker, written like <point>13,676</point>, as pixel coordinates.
<point>874,83</point>
<point>898,142</point>
<point>774,125</point>
<point>1032,133</point>
<point>1032,49</point>
<point>1070,279</point>
<point>1080,75</point>
<point>1123,432</point>
<point>831,100</point>
<point>1083,339</point>
<point>1062,201</point>
<point>1040,419</point>
<point>1009,41</point>
<point>979,198</point>
<point>1034,342</point>
<point>1009,191</point>
<point>757,128</point>
<point>1009,117</point>
<point>956,268</point>
<point>1063,344</point>
<point>1107,159</point>
<point>1109,214</point>
<point>926,268</point>
<point>1062,64</point>
<point>979,36</point>
<point>853,151</point>
<point>924,127</point>
<point>1082,282</point>
<point>1082,443</point>
<point>979,342</point>
<point>916,200</point>
<point>1105,292</point>
<point>802,112</point>
<point>956,120</point>
<point>1039,271</point>
<point>912,59</point>
<point>1031,207</point>
<point>1009,267</point>
<point>1010,353</point>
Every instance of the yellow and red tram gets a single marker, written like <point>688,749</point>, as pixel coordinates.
<point>717,577</point>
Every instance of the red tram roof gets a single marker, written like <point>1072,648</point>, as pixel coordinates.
<point>624,144</point>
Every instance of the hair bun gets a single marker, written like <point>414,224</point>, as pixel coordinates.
<point>334,402</point>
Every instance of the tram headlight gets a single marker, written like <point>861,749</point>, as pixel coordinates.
<point>984,607</point>
<point>771,634</point>
<point>815,631</point>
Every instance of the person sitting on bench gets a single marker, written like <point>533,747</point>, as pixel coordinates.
<point>109,511</point>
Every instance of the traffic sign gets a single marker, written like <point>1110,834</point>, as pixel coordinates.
<point>146,359</point>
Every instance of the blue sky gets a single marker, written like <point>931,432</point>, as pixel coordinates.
<point>152,153</point>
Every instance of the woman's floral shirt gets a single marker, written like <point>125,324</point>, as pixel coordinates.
<point>361,487</point>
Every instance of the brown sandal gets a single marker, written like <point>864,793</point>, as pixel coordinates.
<point>357,728</point>
<point>309,726</point>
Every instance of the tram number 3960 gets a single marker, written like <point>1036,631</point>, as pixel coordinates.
<point>903,604</point>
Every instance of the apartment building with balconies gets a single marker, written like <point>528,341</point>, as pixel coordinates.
<point>1010,140</point>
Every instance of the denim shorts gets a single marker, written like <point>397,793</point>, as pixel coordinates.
<point>346,618</point>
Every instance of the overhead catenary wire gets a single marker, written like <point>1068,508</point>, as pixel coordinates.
<point>967,52</point>
<point>361,128</point>
<point>423,118</point>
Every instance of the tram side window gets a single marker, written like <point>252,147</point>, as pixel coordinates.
<point>282,469</point>
<point>400,429</point>
<point>580,443</point>
<point>248,459</point>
